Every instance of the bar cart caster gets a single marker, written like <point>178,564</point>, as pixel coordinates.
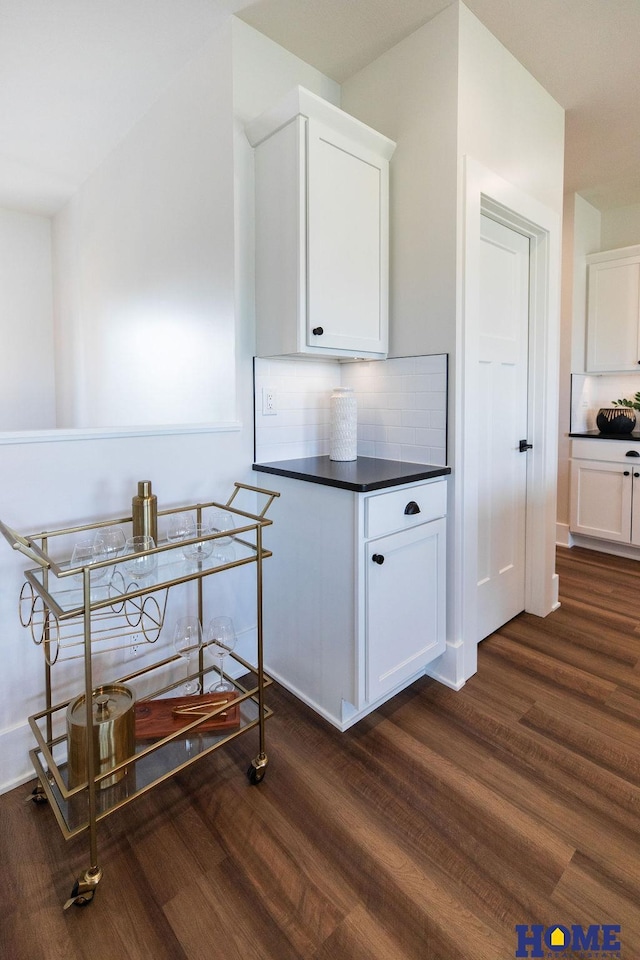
<point>37,795</point>
<point>257,770</point>
<point>84,888</point>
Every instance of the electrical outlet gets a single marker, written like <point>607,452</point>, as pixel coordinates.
<point>133,649</point>
<point>269,406</point>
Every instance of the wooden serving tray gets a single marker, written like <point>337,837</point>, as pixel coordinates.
<point>160,718</point>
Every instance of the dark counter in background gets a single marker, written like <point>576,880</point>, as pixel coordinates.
<point>361,475</point>
<point>596,435</point>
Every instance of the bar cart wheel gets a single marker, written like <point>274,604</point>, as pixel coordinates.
<point>257,770</point>
<point>84,889</point>
<point>37,795</point>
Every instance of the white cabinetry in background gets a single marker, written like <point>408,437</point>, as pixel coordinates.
<point>354,597</point>
<point>605,490</point>
<point>322,224</point>
<point>613,310</point>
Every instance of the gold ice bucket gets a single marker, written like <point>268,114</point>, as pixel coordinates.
<point>113,726</point>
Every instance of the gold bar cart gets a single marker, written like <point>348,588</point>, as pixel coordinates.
<point>78,611</point>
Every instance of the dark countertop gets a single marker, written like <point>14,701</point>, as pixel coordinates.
<point>361,475</point>
<point>596,435</point>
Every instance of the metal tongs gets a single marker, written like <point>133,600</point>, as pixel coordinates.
<point>201,709</point>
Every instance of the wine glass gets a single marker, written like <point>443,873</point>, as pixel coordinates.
<point>221,636</point>
<point>181,527</point>
<point>220,521</point>
<point>187,640</point>
<point>138,562</point>
<point>110,541</point>
<point>85,554</point>
<point>201,549</point>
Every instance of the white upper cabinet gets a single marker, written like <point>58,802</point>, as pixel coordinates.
<point>613,310</point>
<point>322,226</point>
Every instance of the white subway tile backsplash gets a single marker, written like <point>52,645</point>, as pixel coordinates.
<point>402,406</point>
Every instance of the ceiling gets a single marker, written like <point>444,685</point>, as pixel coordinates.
<point>76,75</point>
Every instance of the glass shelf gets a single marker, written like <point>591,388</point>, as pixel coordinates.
<point>63,591</point>
<point>149,767</point>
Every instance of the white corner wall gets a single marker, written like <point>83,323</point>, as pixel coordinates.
<point>620,227</point>
<point>410,94</point>
<point>27,385</point>
<point>507,120</point>
<point>580,236</point>
<point>448,92</point>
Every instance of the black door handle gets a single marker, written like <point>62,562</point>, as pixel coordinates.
<point>317,331</point>
<point>411,508</point>
<point>524,446</point>
<point>632,453</point>
<point>378,558</point>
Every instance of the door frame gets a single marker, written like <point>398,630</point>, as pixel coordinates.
<point>485,192</point>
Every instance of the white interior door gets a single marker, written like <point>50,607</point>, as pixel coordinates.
<point>502,468</point>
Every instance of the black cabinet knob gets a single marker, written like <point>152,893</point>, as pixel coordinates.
<point>626,473</point>
<point>636,474</point>
<point>317,331</point>
<point>378,558</point>
<point>411,508</point>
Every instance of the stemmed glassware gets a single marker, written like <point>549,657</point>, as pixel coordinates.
<point>221,637</point>
<point>187,640</point>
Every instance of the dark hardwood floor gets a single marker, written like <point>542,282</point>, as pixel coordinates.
<point>429,830</point>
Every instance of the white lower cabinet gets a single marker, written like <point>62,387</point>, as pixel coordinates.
<point>354,595</point>
<point>605,490</point>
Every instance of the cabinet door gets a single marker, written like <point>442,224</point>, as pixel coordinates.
<point>601,500</point>
<point>613,315</point>
<point>405,605</point>
<point>635,508</point>
<point>347,205</point>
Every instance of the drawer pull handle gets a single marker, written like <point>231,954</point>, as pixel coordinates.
<point>632,453</point>
<point>378,558</point>
<point>411,508</point>
<point>317,331</point>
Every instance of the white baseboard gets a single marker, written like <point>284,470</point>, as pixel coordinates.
<point>564,537</point>
<point>448,669</point>
<point>16,769</point>
<point>606,546</point>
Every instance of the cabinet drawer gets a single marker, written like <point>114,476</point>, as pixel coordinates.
<point>385,512</point>
<point>615,451</point>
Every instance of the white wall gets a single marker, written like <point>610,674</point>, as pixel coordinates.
<point>133,234</point>
<point>507,121</point>
<point>581,236</point>
<point>27,385</point>
<point>410,95</point>
<point>448,91</point>
<point>145,245</point>
<point>620,227</point>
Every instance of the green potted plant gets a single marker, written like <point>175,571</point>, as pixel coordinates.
<point>616,420</point>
